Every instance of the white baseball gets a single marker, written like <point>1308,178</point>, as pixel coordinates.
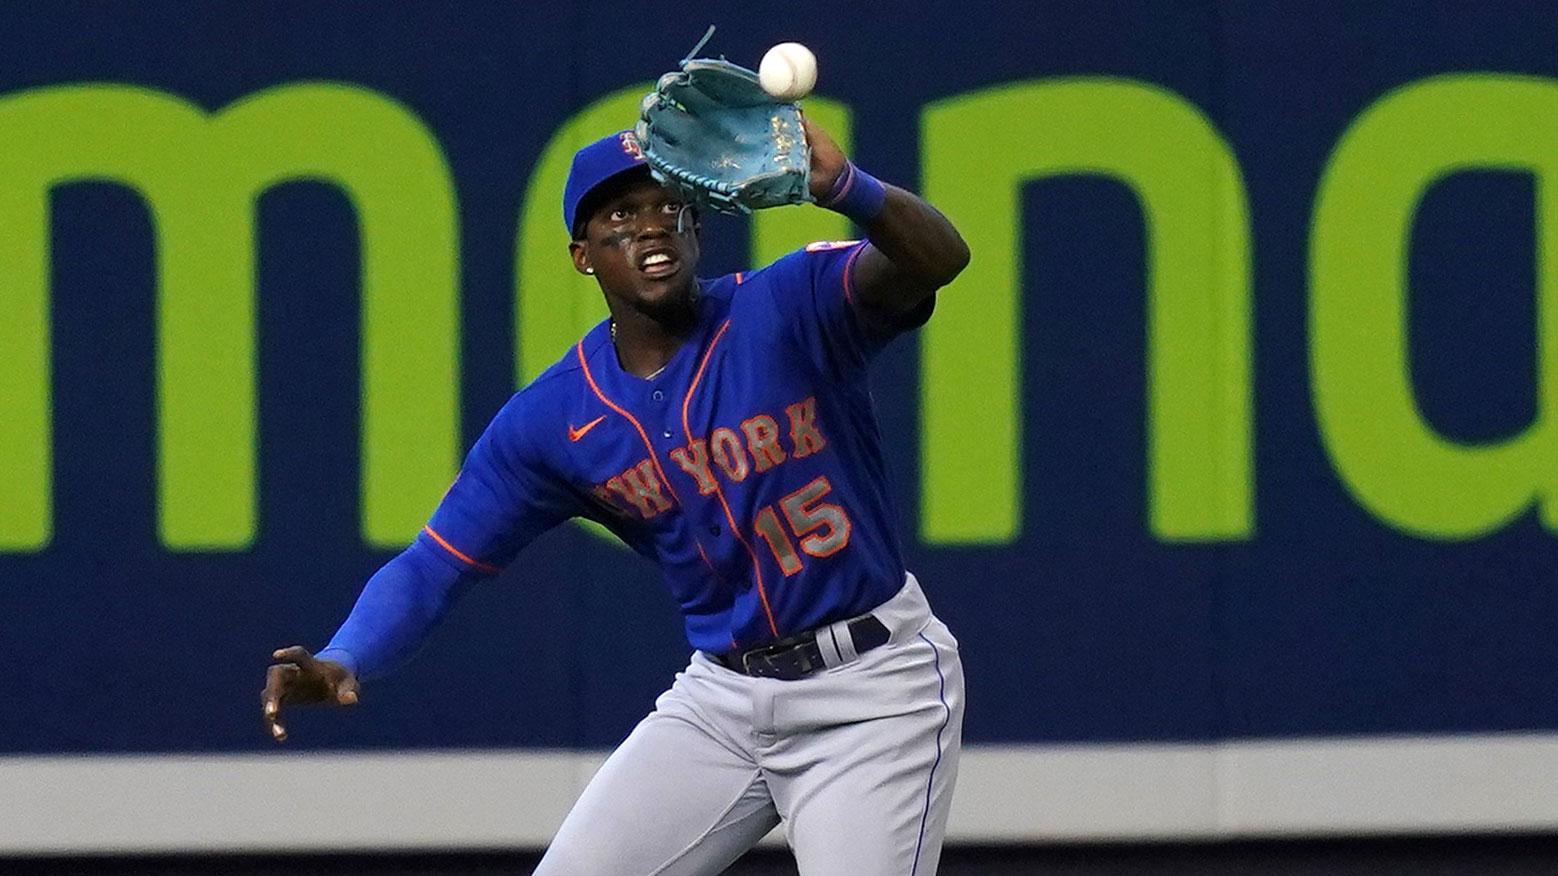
<point>788,71</point>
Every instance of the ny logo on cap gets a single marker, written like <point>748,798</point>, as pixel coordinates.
<point>630,145</point>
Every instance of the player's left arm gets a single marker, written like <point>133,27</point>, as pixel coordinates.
<point>914,249</point>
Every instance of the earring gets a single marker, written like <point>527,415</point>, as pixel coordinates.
<point>589,270</point>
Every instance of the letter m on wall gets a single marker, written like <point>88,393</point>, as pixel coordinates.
<point>980,149</point>
<point>200,176</point>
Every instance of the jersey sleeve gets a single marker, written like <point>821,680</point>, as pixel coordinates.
<point>814,292</point>
<point>504,497</point>
<point>396,612</point>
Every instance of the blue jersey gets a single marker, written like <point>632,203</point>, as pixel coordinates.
<point>750,469</point>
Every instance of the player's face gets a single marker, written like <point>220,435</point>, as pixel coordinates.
<point>638,255</point>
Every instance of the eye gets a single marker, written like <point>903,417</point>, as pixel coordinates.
<point>671,207</point>
<point>618,215</point>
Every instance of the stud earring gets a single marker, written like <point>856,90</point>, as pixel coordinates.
<point>589,270</point>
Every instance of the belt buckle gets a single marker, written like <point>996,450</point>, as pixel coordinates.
<point>787,663</point>
<point>758,662</point>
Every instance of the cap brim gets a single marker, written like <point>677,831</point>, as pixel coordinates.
<point>599,192</point>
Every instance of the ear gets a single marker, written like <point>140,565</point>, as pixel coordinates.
<point>581,259</point>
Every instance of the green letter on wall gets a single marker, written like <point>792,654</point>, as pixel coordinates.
<point>980,149</point>
<point>1389,457</point>
<point>554,306</point>
<point>200,177</point>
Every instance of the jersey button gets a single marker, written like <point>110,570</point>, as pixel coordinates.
<point>666,433</point>
<point>714,529</point>
<point>657,395</point>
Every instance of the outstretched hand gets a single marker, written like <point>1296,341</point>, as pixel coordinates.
<point>297,677</point>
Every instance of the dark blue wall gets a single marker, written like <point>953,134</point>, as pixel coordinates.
<point>1086,629</point>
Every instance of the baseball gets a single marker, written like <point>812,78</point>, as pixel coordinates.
<point>788,71</point>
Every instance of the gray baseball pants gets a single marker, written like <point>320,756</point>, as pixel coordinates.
<point>857,761</point>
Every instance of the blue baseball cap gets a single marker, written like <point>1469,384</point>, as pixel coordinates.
<point>598,163</point>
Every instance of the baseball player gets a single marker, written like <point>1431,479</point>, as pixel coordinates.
<point>724,429</point>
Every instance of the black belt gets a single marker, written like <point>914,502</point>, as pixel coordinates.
<point>800,656</point>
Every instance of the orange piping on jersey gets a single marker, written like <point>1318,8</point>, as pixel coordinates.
<point>706,561</point>
<point>849,264</point>
<point>699,376</point>
<point>476,564</point>
<point>653,459</point>
<point>757,569</point>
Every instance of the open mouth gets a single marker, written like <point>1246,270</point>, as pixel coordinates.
<point>659,264</point>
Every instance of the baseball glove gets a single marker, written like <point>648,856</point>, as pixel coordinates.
<point>712,134</point>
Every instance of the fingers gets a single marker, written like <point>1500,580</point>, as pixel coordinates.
<point>300,678</point>
<point>277,679</point>
<point>346,692</point>
<point>294,654</point>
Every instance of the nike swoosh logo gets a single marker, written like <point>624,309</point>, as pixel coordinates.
<point>576,434</point>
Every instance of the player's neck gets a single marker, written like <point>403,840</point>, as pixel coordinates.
<point>645,343</point>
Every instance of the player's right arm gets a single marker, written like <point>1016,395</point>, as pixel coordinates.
<point>503,498</point>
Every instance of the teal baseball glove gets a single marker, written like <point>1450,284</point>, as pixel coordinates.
<point>713,134</point>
